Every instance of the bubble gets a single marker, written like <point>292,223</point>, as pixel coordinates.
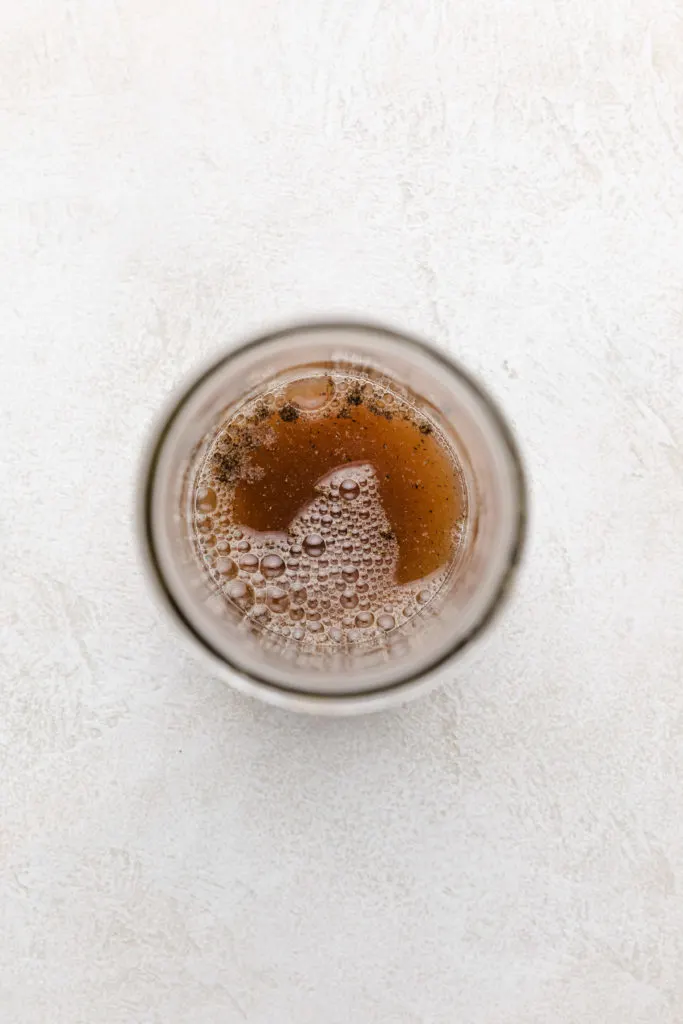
<point>326,520</point>
<point>244,545</point>
<point>209,541</point>
<point>272,566</point>
<point>386,621</point>
<point>347,547</point>
<point>335,634</point>
<point>298,633</point>
<point>277,599</point>
<point>314,545</point>
<point>204,524</point>
<point>222,545</point>
<point>206,499</point>
<point>364,620</point>
<point>295,550</point>
<point>296,614</point>
<point>362,587</point>
<point>249,562</point>
<point>423,597</point>
<point>349,489</point>
<point>349,599</point>
<point>310,393</point>
<point>313,626</point>
<point>335,510</point>
<point>313,616</point>
<point>349,573</point>
<point>299,593</point>
<point>260,613</point>
<point>314,518</point>
<point>225,566</point>
<point>241,594</point>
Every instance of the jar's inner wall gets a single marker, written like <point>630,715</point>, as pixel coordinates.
<point>290,510</point>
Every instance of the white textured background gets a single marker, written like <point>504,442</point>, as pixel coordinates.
<point>507,178</point>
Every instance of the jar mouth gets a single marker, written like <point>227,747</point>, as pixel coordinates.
<point>251,679</point>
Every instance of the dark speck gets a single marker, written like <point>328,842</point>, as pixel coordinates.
<point>425,428</point>
<point>288,413</point>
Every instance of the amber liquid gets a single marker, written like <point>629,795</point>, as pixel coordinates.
<point>362,470</point>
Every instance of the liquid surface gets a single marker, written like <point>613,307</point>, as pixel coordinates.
<point>330,509</point>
